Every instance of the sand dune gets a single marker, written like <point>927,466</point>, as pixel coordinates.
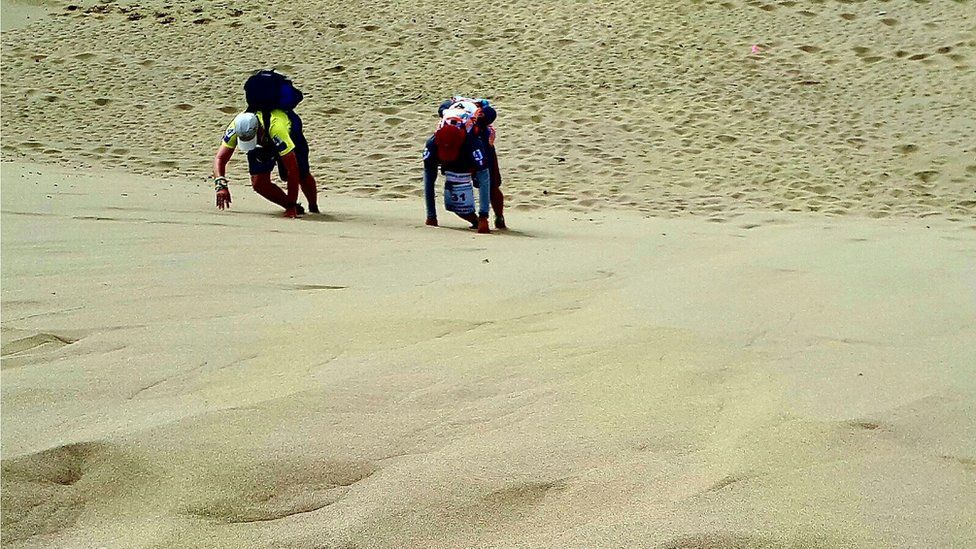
<point>735,308</point>
<point>175,377</point>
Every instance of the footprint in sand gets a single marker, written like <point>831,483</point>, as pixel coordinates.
<point>522,495</point>
<point>39,343</point>
<point>40,496</point>
<point>726,540</point>
<point>312,287</point>
<point>865,425</point>
<point>286,493</point>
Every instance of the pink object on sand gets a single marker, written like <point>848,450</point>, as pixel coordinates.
<point>755,48</point>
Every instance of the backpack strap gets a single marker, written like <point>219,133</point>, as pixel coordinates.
<point>266,118</point>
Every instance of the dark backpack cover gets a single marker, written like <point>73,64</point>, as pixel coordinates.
<point>269,90</point>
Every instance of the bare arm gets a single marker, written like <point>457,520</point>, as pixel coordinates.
<point>221,160</point>
<point>294,177</point>
<point>220,182</point>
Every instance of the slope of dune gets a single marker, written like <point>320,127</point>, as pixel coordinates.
<point>176,377</point>
<point>735,307</point>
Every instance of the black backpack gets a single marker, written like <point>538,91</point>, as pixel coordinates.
<point>269,90</point>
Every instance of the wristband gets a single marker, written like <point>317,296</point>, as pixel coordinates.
<point>220,184</point>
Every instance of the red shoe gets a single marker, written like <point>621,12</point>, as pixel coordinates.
<point>294,211</point>
<point>483,225</point>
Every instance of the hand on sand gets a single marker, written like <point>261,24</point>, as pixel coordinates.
<point>295,211</point>
<point>223,198</point>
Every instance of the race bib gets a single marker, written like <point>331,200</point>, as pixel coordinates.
<point>458,193</point>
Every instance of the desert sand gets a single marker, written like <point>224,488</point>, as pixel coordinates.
<point>735,307</point>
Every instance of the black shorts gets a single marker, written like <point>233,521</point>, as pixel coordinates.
<point>263,160</point>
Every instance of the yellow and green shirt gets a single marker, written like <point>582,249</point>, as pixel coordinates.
<point>279,134</point>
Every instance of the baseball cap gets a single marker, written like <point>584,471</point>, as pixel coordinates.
<point>246,129</point>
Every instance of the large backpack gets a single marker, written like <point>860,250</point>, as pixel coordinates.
<point>269,90</point>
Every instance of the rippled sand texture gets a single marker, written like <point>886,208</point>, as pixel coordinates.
<point>176,377</point>
<point>846,108</point>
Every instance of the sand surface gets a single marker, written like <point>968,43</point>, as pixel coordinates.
<point>736,308</point>
<point>174,377</point>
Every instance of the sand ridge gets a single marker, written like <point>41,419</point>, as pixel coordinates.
<point>178,377</point>
<point>734,309</point>
<point>660,107</point>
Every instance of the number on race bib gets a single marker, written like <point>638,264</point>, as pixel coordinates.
<point>459,198</point>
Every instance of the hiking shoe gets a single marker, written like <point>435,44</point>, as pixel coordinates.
<point>500,222</point>
<point>294,211</point>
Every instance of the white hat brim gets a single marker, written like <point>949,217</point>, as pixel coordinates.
<point>247,144</point>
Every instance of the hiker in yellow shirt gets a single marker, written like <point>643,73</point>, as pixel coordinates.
<point>275,139</point>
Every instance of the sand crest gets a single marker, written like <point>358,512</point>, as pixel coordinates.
<point>735,307</point>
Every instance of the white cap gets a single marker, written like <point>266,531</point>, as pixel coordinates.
<point>246,129</point>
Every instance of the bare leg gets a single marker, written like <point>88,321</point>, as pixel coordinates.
<point>311,193</point>
<point>263,185</point>
<point>497,198</point>
<point>498,204</point>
